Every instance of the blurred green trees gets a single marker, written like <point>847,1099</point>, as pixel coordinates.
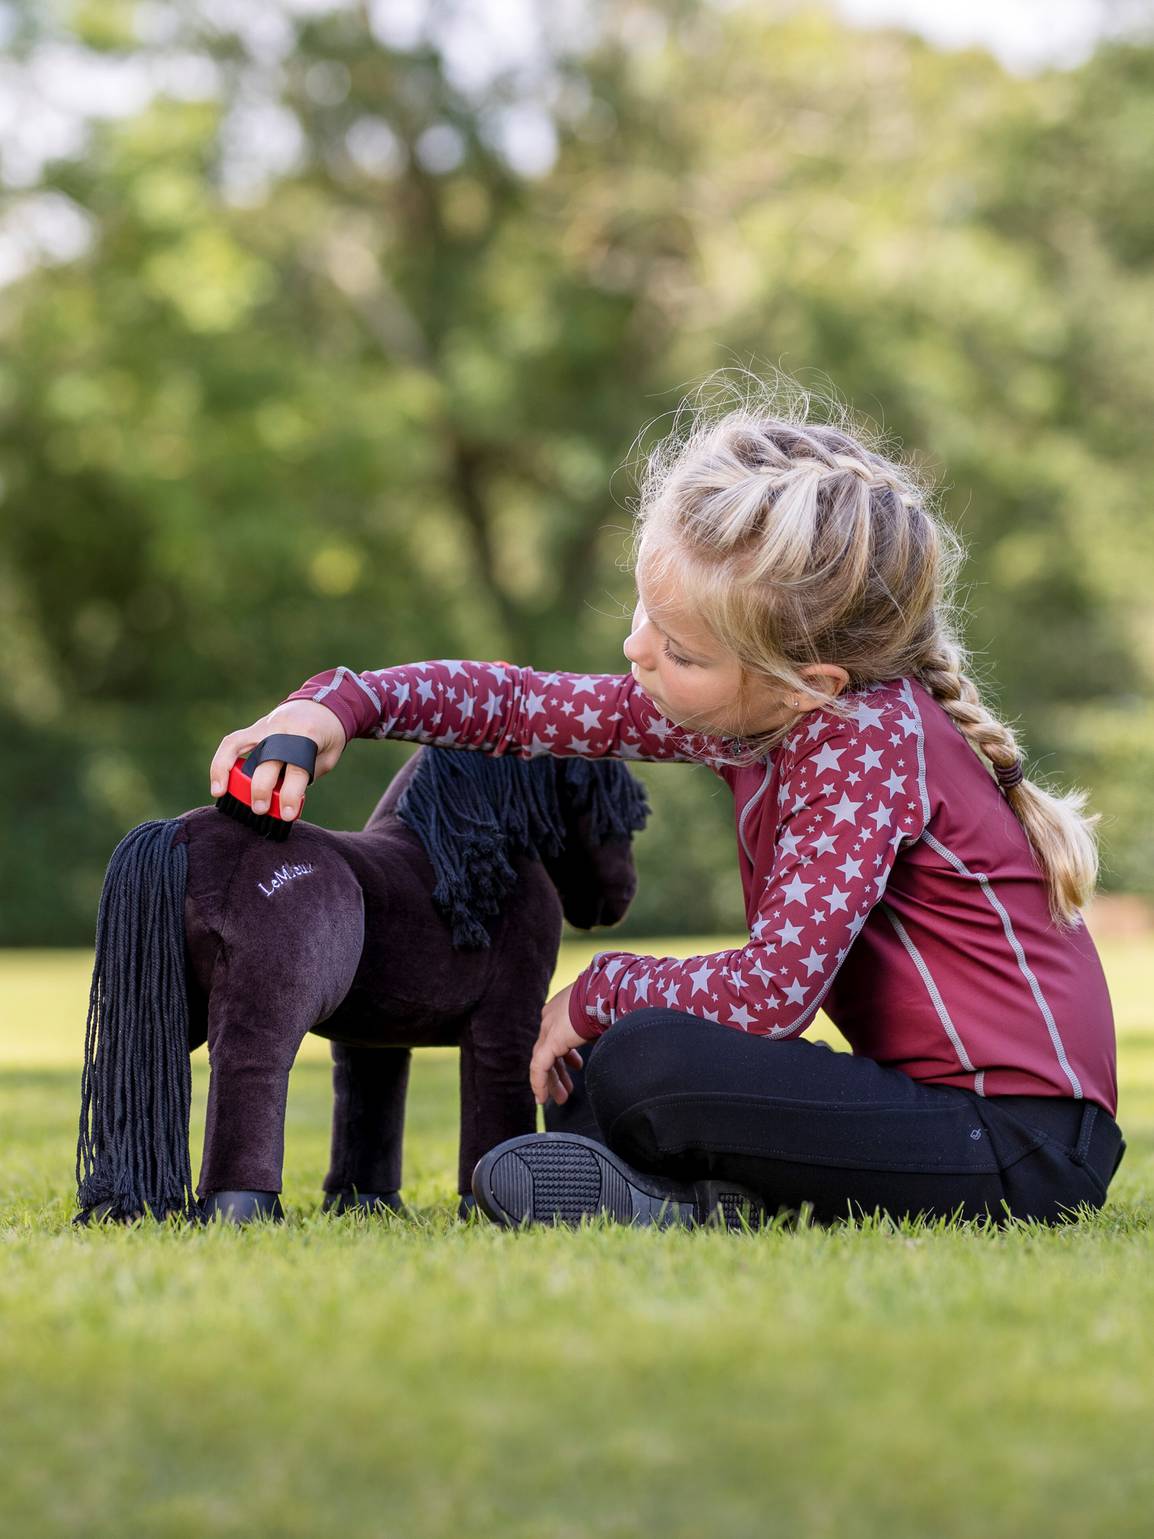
<point>344,375</point>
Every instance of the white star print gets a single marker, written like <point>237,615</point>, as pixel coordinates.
<point>845,811</point>
<point>814,962</point>
<point>789,842</point>
<point>867,716</point>
<point>701,977</point>
<point>827,758</point>
<point>795,891</point>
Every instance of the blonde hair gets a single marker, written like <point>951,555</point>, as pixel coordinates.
<point>796,542</point>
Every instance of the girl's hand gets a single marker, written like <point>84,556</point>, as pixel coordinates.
<point>556,1047</point>
<point>307,718</point>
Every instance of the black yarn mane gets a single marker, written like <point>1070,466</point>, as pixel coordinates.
<point>472,810</point>
<point>132,1154</point>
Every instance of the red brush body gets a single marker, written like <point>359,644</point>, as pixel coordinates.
<point>236,800</point>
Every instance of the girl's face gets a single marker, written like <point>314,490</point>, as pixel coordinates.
<point>692,680</point>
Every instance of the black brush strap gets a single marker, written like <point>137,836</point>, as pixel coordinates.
<point>289,748</point>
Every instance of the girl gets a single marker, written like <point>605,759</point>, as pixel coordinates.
<point>794,631</point>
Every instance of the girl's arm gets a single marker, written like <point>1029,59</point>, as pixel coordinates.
<point>851,792</point>
<point>499,708</point>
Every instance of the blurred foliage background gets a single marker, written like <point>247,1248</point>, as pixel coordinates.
<point>327,337</point>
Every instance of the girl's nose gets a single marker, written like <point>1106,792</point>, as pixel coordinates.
<point>634,646</point>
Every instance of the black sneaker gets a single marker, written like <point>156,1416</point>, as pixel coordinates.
<point>564,1177</point>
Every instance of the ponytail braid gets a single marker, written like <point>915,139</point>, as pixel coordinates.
<point>1060,833</point>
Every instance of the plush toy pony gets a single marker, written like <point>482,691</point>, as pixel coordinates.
<point>437,924</point>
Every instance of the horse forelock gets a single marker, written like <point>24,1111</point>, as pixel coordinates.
<point>473,810</point>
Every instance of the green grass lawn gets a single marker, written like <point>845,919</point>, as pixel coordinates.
<point>419,1378</point>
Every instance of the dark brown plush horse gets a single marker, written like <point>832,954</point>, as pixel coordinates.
<point>438,924</point>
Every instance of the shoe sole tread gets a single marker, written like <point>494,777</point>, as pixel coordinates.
<point>565,1177</point>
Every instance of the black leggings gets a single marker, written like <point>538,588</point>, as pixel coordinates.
<point>803,1124</point>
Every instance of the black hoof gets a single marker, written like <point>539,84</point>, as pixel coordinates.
<point>241,1207</point>
<point>353,1201</point>
<point>467,1206</point>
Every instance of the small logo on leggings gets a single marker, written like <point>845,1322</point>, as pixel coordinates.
<point>975,1132</point>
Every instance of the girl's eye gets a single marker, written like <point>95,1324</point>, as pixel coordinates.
<point>673,658</point>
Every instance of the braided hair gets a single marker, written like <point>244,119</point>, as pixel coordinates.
<point>797,542</point>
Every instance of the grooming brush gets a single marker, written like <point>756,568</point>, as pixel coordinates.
<point>289,748</point>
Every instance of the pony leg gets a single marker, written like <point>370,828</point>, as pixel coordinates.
<point>496,1097</point>
<point>258,1017</point>
<point>501,1031</point>
<point>369,1089</point>
<point>251,1049</point>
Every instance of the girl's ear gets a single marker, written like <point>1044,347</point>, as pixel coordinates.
<point>828,678</point>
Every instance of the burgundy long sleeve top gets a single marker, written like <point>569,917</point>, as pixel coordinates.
<point>886,878</point>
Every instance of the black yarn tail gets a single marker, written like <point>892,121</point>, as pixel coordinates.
<point>132,1155</point>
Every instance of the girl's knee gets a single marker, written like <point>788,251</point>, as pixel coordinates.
<point>620,1037</point>
<point>625,1061</point>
